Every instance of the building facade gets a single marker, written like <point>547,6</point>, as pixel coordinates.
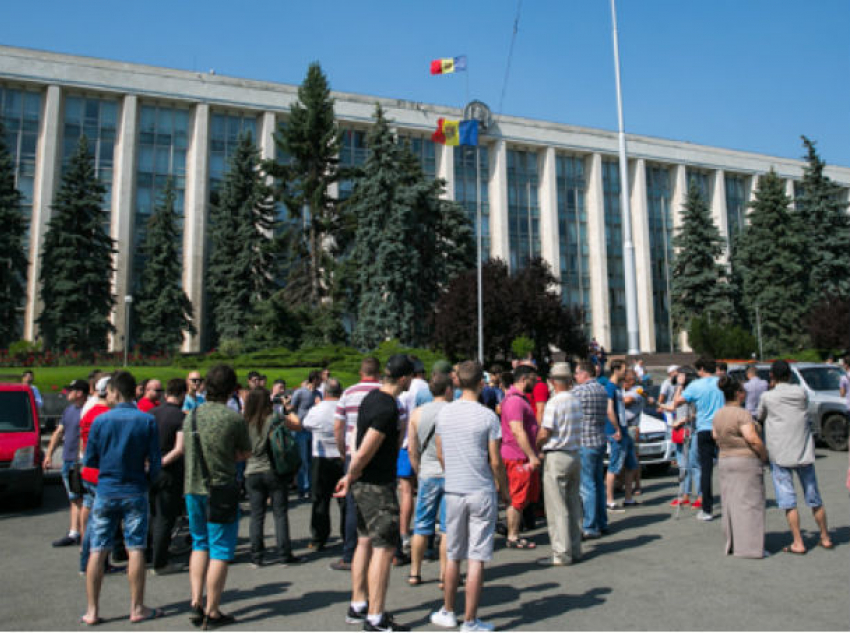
<point>546,189</point>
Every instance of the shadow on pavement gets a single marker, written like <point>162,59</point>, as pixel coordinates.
<point>528,612</point>
<point>775,541</point>
<point>609,545</point>
<point>275,607</point>
<point>631,521</point>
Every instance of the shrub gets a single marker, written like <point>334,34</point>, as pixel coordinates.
<point>720,340</point>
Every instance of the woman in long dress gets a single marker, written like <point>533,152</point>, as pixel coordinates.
<point>741,470</point>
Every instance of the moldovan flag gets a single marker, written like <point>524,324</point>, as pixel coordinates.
<point>448,65</point>
<point>456,132</point>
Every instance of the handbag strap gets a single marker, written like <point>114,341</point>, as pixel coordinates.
<point>428,439</point>
<point>205,472</point>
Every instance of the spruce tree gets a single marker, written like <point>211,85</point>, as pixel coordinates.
<point>13,260</point>
<point>76,268</point>
<point>241,269</point>
<point>699,285</point>
<point>770,256</point>
<point>309,141</point>
<point>827,224</point>
<point>162,310</point>
<point>408,245</point>
<point>383,291</point>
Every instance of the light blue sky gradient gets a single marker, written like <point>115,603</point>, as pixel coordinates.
<point>740,74</point>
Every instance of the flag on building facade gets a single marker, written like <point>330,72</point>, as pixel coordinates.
<point>448,65</point>
<point>452,132</point>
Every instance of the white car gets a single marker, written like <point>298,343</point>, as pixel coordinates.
<point>655,449</point>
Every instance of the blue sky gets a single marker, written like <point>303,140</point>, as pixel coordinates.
<point>741,74</point>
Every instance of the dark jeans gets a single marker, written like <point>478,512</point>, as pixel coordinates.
<point>350,539</point>
<point>707,451</point>
<point>166,500</point>
<point>305,451</point>
<point>326,472</point>
<point>261,486</point>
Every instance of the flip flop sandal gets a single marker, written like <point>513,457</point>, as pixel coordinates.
<point>831,545</point>
<point>787,549</point>
<point>413,580</point>
<point>520,543</point>
<point>97,620</point>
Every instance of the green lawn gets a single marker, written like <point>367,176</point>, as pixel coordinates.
<point>49,379</point>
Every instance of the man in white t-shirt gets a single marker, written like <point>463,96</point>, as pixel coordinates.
<point>468,440</point>
<point>326,466</point>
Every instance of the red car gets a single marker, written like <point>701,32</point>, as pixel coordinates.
<point>20,445</point>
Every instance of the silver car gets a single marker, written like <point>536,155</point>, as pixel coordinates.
<point>827,409</point>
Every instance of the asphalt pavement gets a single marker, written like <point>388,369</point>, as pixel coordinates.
<point>653,572</point>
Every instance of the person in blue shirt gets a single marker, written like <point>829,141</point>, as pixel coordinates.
<point>124,445</point>
<point>28,378</point>
<point>708,400</point>
<point>623,458</point>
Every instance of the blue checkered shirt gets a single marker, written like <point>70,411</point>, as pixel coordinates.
<point>594,408</point>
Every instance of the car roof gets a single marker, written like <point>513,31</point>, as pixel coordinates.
<point>800,365</point>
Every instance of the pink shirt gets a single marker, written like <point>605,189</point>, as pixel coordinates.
<point>516,407</point>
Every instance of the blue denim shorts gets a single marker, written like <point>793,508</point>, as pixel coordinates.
<point>622,454</point>
<point>783,484</point>
<point>104,518</point>
<point>219,539</point>
<point>430,501</point>
<point>89,492</point>
<point>66,468</point>
<point>403,467</point>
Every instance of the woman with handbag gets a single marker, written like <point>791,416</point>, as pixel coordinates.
<point>263,481</point>
<point>682,430</point>
<point>740,467</point>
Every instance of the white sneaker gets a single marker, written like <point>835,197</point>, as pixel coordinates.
<point>477,625</point>
<point>702,515</point>
<point>444,618</point>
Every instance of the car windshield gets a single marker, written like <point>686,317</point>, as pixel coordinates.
<point>15,414</point>
<point>822,378</point>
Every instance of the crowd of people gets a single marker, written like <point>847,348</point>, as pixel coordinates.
<point>417,467</point>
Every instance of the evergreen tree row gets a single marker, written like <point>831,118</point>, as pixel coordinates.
<point>788,274</point>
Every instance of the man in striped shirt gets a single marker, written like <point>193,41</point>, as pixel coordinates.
<point>345,431</point>
<point>468,436</point>
<point>560,439</point>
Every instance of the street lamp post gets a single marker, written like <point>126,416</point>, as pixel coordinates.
<point>128,305</point>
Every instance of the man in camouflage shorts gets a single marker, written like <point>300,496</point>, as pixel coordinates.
<point>372,479</point>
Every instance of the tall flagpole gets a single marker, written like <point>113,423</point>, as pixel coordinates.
<point>478,239</point>
<point>628,245</point>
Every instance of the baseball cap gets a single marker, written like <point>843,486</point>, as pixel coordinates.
<point>672,368</point>
<point>442,367</point>
<point>560,370</point>
<point>399,365</point>
<point>100,387</point>
<point>78,385</point>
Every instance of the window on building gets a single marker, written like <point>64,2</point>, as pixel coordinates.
<point>660,220</point>
<point>20,111</point>
<point>97,119</point>
<point>225,130</point>
<point>614,249</point>
<point>523,208</point>
<point>424,150</point>
<point>701,180</point>
<point>572,235</point>
<point>163,140</point>
<point>465,175</point>
<point>353,152</point>
<point>736,204</point>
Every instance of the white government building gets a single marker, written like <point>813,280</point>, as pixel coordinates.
<point>546,188</point>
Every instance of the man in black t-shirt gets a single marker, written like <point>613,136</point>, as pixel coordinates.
<point>166,494</point>
<point>372,478</point>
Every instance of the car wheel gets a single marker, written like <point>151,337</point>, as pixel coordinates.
<point>834,432</point>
